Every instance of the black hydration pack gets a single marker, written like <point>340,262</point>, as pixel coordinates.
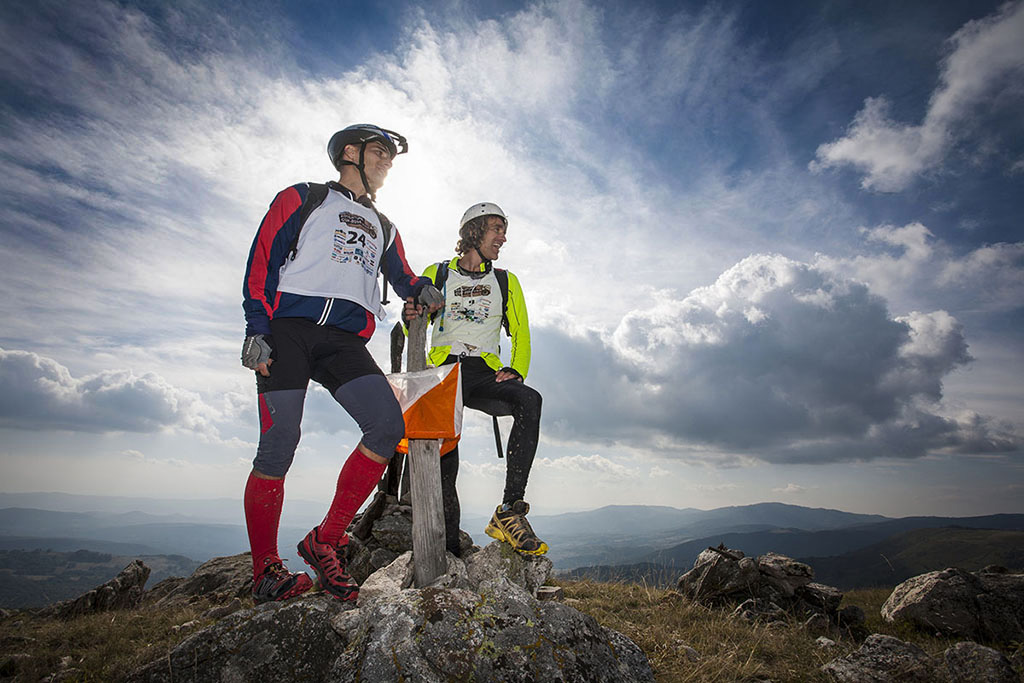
<point>315,196</point>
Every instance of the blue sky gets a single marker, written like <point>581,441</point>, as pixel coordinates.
<point>771,251</point>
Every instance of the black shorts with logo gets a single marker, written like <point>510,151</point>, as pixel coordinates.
<point>304,350</point>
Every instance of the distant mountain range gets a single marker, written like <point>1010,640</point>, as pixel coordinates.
<point>134,532</point>
<point>900,557</point>
<point>882,564</point>
<point>623,534</point>
<point>632,540</point>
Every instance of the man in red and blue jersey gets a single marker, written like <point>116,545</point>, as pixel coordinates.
<point>311,300</point>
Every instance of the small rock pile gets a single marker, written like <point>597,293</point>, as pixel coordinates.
<point>768,588</point>
<point>389,537</point>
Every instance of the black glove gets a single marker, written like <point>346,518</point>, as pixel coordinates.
<point>257,349</point>
<point>430,296</point>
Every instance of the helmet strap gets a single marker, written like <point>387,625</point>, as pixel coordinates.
<point>361,166</point>
<point>486,262</point>
<point>362,172</point>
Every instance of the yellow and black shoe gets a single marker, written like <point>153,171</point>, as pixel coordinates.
<point>508,523</point>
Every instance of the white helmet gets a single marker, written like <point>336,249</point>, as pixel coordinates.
<point>482,209</point>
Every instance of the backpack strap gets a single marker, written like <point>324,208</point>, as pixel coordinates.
<point>440,277</point>
<point>388,228</point>
<point>315,196</point>
<point>502,276</point>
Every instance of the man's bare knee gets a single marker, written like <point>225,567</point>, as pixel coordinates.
<point>259,475</point>
<point>371,455</point>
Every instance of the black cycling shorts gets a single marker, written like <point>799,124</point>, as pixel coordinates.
<point>304,350</point>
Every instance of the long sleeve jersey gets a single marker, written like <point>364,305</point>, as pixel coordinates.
<point>331,277</point>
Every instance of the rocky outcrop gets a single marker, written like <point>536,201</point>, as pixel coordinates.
<point>885,659</point>
<point>473,623</point>
<point>123,591</point>
<point>389,536</point>
<point>981,605</point>
<point>219,580</point>
<point>970,663</point>
<point>766,587</point>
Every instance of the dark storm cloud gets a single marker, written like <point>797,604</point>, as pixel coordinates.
<point>776,360</point>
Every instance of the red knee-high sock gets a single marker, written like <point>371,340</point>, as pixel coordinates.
<point>357,480</point>
<point>263,501</point>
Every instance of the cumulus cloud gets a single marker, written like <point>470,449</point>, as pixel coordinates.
<point>778,360</point>
<point>913,262</point>
<point>39,393</point>
<point>985,56</point>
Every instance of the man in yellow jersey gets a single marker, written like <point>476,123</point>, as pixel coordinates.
<point>479,300</point>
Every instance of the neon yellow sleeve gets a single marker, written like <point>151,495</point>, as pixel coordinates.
<point>518,327</point>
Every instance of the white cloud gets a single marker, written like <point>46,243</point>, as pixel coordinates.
<point>792,489</point>
<point>40,393</point>
<point>590,464</point>
<point>917,269</point>
<point>985,58</point>
<point>716,488</point>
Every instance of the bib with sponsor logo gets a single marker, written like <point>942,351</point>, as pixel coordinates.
<point>338,255</point>
<point>471,320</point>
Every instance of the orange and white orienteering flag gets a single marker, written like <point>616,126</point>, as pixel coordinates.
<point>431,402</point>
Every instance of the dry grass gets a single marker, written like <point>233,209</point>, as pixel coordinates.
<point>663,622</point>
<point>96,647</point>
<point>107,647</point>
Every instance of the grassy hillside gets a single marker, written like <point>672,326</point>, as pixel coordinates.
<point>109,646</point>
<point>898,558</point>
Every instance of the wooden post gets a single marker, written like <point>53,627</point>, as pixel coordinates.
<point>424,460</point>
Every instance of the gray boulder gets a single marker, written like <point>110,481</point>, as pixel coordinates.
<point>286,641</point>
<point>723,576</point>
<point>970,663</point>
<point>453,634</point>
<point>953,602</point>
<point>219,579</point>
<point>123,591</point>
<point>398,576</point>
<point>883,659</point>
<point>495,631</point>
<point>497,564</point>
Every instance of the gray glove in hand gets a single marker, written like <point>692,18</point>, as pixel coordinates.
<point>256,349</point>
<point>430,297</point>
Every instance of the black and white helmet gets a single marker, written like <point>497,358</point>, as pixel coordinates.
<point>361,134</point>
